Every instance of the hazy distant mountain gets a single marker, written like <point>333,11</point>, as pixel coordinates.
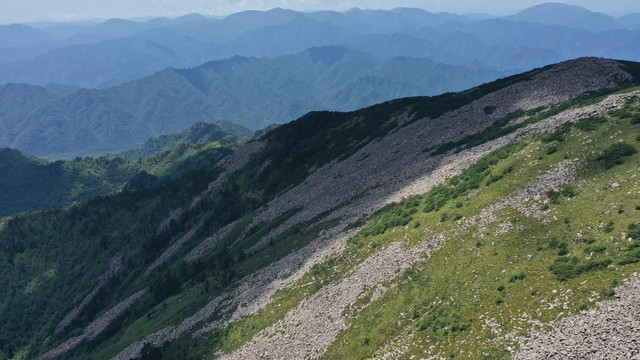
<point>22,42</point>
<point>537,43</point>
<point>253,92</point>
<point>17,35</point>
<point>631,21</point>
<point>106,63</point>
<point>567,15</point>
<point>113,52</point>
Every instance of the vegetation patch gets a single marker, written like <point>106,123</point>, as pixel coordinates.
<point>505,282</point>
<point>470,179</point>
<point>616,154</point>
<point>591,123</point>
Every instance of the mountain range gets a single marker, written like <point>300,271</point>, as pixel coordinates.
<point>252,92</point>
<point>100,55</point>
<point>321,185</point>
<point>496,222</point>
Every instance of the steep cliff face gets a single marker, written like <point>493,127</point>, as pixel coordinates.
<point>455,225</point>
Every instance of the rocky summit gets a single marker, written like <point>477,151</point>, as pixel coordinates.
<point>497,222</point>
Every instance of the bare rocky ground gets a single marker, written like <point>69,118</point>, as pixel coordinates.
<point>170,252</point>
<point>230,164</point>
<point>210,242</point>
<point>95,328</point>
<point>310,328</point>
<point>610,331</point>
<point>114,267</point>
<point>384,171</point>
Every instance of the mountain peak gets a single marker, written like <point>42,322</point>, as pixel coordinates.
<point>571,16</point>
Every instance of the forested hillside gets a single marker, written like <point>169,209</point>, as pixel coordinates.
<point>459,225</point>
<point>41,183</point>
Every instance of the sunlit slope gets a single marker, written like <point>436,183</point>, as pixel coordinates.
<point>420,226</point>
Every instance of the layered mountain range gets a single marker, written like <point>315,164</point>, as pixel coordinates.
<point>496,222</point>
<point>106,54</point>
<point>101,87</point>
<point>249,91</point>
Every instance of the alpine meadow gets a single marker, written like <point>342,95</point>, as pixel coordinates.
<point>321,184</point>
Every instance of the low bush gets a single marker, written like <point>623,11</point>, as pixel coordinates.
<point>515,277</point>
<point>443,322</point>
<point>615,154</point>
<point>565,268</point>
<point>591,123</point>
<point>558,135</point>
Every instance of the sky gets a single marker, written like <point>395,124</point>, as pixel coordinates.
<point>20,11</point>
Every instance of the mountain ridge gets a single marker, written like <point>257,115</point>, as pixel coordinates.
<point>142,48</point>
<point>328,227</point>
<point>253,92</point>
<point>567,15</point>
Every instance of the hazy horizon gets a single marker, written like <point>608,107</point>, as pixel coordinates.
<point>79,10</point>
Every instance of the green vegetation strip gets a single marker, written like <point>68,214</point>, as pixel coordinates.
<point>466,299</point>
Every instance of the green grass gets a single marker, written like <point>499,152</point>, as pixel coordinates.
<point>447,305</point>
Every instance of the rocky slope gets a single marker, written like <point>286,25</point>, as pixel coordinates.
<point>427,233</point>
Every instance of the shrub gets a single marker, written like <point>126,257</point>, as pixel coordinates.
<point>607,292</point>
<point>590,123</point>
<point>518,276</point>
<point>620,113</point>
<point>633,231</point>
<point>442,322</point>
<point>391,216</point>
<point>609,227</point>
<point>615,154</point>
<point>630,257</point>
<point>596,249</point>
<point>488,110</point>
<point>563,249</point>
<point>565,268</point>
<point>558,135</point>
<point>554,196</point>
<point>569,191</point>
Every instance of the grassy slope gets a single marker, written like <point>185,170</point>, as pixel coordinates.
<point>481,290</point>
<point>78,243</point>
<point>465,299</point>
<point>38,243</point>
